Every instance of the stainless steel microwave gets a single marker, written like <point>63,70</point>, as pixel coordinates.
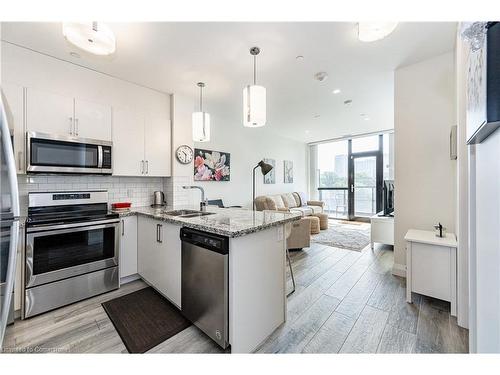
<point>48,153</point>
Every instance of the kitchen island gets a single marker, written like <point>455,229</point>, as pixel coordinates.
<point>257,264</point>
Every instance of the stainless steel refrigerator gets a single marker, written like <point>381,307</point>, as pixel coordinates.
<point>9,221</point>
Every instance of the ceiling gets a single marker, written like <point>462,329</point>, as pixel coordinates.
<point>173,56</point>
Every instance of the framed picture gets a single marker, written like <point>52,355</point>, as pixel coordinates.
<point>270,178</point>
<point>288,171</point>
<point>211,165</point>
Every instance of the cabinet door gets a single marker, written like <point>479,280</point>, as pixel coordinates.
<point>92,120</point>
<point>128,142</point>
<point>128,246</point>
<point>157,146</point>
<point>49,113</point>
<point>149,256</point>
<point>13,100</point>
<point>171,247</point>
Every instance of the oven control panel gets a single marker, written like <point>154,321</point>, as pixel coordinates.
<point>69,196</point>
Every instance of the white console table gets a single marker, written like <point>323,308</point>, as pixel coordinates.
<point>431,266</point>
<point>382,229</point>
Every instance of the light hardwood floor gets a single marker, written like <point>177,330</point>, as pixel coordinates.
<point>345,302</point>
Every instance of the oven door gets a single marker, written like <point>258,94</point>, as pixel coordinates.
<point>63,251</point>
<point>60,154</point>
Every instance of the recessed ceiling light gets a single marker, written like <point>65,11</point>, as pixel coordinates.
<point>299,58</point>
<point>348,102</point>
<point>321,76</point>
<point>336,91</point>
<point>372,31</point>
<point>317,116</point>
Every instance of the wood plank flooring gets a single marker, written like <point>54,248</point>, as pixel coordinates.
<point>345,302</point>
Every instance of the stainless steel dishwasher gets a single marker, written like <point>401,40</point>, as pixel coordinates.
<point>204,291</point>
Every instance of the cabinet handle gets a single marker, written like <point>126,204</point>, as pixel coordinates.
<point>157,232</point>
<point>76,126</point>
<point>71,126</point>
<point>147,166</point>
<point>160,240</point>
<point>19,160</point>
<point>142,166</point>
<point>123,228</point>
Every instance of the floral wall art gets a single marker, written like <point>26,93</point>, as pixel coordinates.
<point>270,178</point>
<point>211,165</point>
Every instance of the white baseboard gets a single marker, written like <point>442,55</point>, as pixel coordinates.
<point>399,270</point>
<point>130,278</point>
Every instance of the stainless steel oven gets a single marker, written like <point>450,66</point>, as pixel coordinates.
<point>71,250</point>
<point>47,153</point>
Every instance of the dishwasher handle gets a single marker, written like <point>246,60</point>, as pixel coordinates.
<point>209,241</point>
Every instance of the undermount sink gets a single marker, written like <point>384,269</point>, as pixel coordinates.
<point>187,213</point>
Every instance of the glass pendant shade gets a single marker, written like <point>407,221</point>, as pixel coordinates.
<point>93,37</point>
<point>201,127</point>
<point>254,106</point>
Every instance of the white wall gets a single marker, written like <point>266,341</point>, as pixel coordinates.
<point>425,177</point>
<point>247,147</point>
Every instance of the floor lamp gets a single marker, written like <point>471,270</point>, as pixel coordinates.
<point>265,169</point>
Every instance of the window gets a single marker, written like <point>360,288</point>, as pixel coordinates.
<point>332,164</point>
<point>364,144</point>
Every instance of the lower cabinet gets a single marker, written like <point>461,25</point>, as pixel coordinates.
<point>159,260</point>
<point>128,246</point>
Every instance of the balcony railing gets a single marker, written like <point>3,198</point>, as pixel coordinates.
<point>336,201</point>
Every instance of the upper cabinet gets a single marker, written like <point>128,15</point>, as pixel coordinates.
<point>63,115</point>
<point>49,113</point>
<point>128,142</point>
<point>141,143</point>
<point>157,147</point>
<point>13,99</point>
<point>92,120</point>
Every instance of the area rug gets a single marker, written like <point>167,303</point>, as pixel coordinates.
<point>344,235</point>
<point>144,319</point>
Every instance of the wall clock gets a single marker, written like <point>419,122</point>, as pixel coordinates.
<point>184,154</point>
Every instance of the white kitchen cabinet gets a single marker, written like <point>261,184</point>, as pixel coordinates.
<point>159,257</point>
<point>128,246</point>
<point>92,120</point>
<point>49,113</point>
<point>64,115</point>
<point>157,146</point>
<point>13,99</point>
<point>141,144</point>
<point>128,142</point>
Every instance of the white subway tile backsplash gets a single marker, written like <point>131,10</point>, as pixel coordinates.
<point>137,190</point>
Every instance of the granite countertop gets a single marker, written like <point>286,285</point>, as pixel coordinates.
<point>231,222</point>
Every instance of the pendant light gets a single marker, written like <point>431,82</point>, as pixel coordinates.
<point>201,121</point>
<point>254,99</point>
<point>93,37</point>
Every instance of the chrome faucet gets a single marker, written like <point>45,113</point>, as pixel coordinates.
<point>203,203</point>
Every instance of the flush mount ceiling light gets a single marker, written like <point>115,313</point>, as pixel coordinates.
<point>201,121</point>
<point>93,37</point>
<point>336,91</point>
<point>254,99</point>
<point>372,31</point>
